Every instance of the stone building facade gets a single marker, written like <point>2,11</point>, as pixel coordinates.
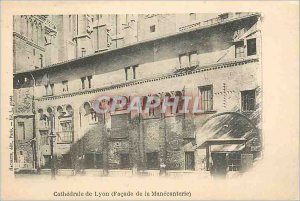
<point>215,57</point>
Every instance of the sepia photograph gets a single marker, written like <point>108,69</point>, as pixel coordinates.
<point>180,94</point>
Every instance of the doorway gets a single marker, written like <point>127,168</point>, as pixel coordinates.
<point>219,165</point>
<point>124,161</point>
<point>189,160</point>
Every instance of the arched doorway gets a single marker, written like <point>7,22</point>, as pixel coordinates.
<point>231,141</point>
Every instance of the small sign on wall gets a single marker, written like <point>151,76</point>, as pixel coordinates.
<point>246,161</point>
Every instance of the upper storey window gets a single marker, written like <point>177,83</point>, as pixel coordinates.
<point>83,52</point>
<point>41,60</point>
<point>251,47</point>
<point>152,28</point>
<point>49,88</point>
<point>86,82</point>
<point>239,49</point>
<point>65,86</point>
<point>192,16</point>
<point>188,60</point>
<point>130,72</point>
<point>248,100</point>
<point>248,49</point>
<point>206,98</point>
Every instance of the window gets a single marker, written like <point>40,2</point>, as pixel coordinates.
<point>184,60</point>
<point>21,131</point>
<point>248,100</point>
<point>127,73</point>
<point>66,133</point>
<point>83,52</point>
<point>89,78</point>
<point>130,72</point>
<point>152,28</point>
<point>152,161</point>
<point>234,161</point>
<point>192,16</point>
<point>189,160</point>
<point>52,89</point>
<point>65,86</point>
<point>206,98</point>
<point>251,47</point>
<point>94,118</point>
<point>93,161</point>
<point>124,161</point>
<point>86,82</point>
<point>49,89</point>
<point>193,59</point>
<point>188,60</point>
<point>133,71</point>
<point>239,49</point>
<point>41,60</point>
<point>33,52</point>
<point>83,82</point>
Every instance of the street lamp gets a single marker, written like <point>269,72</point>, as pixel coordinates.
<point>52,137</point>
<point>52,140</point>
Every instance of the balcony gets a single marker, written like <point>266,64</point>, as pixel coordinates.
<point>221,19</point>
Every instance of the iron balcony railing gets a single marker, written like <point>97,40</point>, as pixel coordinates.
<point>222,18</point>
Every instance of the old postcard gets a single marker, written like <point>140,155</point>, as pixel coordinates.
<point>149,100</point>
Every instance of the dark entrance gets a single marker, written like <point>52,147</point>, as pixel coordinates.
<point>152,161</point>
<point>66,161</point>
<point>219,165</point>
<point>189,160</point>
<point>124,161</point>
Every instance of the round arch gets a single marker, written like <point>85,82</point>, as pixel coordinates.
<point>232,113</point>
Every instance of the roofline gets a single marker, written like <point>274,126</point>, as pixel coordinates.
<point>138,43</point>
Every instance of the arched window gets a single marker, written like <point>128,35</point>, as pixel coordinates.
<point>87,108</point>
<point>88,114</point>
<point>69,110</point>
<point>180,105</point>
<point>60,111</point>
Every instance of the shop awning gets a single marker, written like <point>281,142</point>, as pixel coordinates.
<point>227,148</point>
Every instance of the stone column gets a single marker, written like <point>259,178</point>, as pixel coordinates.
<point>134,132</point>
<point>105,138</point>
<point>162,146</point>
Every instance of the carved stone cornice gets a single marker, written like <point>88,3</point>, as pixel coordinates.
<point>176,73</point>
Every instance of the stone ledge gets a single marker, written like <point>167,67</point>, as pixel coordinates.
<point>200,69</point>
